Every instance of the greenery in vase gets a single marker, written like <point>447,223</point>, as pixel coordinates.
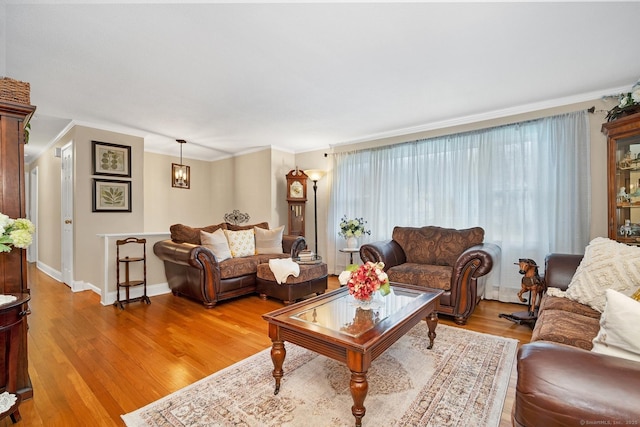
<point>629,101</point>
<point>352,227</point>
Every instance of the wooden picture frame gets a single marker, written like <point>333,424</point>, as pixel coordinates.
<point>111,196</point>
<point>176,181</point>
<point>111,159</point>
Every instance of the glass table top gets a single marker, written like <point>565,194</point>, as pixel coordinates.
<point>344,314</point>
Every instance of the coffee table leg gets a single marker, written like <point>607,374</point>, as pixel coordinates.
<point>432,322</point>
<point>278,352</point>
<point>359,387</point>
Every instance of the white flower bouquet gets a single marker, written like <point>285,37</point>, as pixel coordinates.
<point>352,227</point>
<point>17,232</point>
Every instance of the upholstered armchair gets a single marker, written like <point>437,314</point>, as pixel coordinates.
<point>442,258</point>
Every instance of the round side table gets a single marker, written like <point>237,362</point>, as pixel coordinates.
<point>350,251</point>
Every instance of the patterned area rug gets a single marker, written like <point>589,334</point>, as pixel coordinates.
<point>462,381</point>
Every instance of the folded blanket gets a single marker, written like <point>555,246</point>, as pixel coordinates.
<point>283,268</point>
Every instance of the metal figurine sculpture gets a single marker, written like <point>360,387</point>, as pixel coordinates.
<point>531,282</point>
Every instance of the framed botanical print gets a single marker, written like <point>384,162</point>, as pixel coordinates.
<point>111,159</point>
<point>111,196</point>
<point>180,176</point>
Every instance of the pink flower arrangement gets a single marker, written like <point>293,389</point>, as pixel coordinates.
<point>367,279</point>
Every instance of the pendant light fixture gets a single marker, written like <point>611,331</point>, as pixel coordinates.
<point>180,173</point>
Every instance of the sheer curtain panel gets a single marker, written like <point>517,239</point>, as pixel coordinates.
<point>526,184</point>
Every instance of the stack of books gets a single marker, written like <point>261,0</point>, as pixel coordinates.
<point>306,255</point>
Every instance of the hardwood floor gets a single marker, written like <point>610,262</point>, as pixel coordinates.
<point>89,364</point>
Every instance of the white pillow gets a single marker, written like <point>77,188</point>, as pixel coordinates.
<point>619,333</point>
<point>606,264</point>
<point>269,241</point>
<point>241,242</point>
<point>217,243</point>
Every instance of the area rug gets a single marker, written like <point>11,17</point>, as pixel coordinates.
<point>462,381</point>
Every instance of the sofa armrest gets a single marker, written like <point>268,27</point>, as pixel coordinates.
<point>293,244</point>
<point>191,270</point>
<point>389,252</point>
<point>484,255</point>
<point>559,269</point>
<point>472,264</point>
<point>184,253</point>
<point>561,385</point>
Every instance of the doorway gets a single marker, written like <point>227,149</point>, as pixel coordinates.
<point>32,213</point>
<point>67,214</point>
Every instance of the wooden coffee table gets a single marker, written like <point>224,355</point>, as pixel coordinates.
<point>333,325</point>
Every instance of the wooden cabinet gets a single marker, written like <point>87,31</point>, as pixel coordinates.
<point>13,265</point>
<point>623,178</point>
<point>13,315</point>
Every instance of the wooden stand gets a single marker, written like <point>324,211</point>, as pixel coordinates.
<point>528,317</point>
<point>12,320</point>
<point>127,284</point>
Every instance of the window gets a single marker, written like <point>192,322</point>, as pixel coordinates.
<point>526,184</point>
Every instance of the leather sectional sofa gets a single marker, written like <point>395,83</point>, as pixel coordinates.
<point>562,383</point>
<point>193,271</point>
<point>442,258</point>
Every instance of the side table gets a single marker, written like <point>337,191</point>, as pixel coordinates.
<point>12,316</point>
<point>350,251</point>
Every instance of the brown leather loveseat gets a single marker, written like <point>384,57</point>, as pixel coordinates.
<point>192,270</point>
<point>442,258</point>
<point>562,383</point>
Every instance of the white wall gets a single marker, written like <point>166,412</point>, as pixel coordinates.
<point>166,205</point>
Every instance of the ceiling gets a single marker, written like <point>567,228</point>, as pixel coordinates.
<point>232,77</point>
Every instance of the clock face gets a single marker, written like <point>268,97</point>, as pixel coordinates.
<point>295,190</point>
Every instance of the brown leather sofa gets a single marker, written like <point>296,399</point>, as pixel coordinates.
<point>442,258</point>
<point>562,383</point>
<point>192,270</point>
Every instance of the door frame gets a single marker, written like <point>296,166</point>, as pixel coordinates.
<point>32,212</point>
<point>66,215</point>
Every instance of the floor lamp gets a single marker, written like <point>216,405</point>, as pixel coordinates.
<point>315,175</point>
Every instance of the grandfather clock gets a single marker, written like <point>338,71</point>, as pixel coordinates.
<point>15,113</point>
<point>297,200</point>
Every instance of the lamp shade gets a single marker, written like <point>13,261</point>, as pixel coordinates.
<point>315,174</point>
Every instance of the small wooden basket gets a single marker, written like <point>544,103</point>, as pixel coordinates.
<point>14,91</point>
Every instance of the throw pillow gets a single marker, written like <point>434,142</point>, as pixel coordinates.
<point>217,243</point>
<point>619,334</point>
<point>269,241</point>
<point>241,242</point>
<point>606,264</point>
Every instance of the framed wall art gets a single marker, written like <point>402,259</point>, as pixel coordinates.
<point>111,196</point>
<point>111,159</point>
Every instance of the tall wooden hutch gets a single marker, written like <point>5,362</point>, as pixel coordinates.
<point>623,178</point>
<point>14,116</point>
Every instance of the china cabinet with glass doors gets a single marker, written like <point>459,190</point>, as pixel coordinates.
<point>623,178</point>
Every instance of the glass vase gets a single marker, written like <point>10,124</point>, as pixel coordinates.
<point>364,303</point>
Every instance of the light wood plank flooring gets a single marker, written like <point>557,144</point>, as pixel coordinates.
<point>89,364</point>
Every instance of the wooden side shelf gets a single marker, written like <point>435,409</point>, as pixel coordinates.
<point>12,319</point>
<point>128,283</point>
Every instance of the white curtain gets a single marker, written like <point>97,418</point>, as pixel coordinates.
<point>526,184</point>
